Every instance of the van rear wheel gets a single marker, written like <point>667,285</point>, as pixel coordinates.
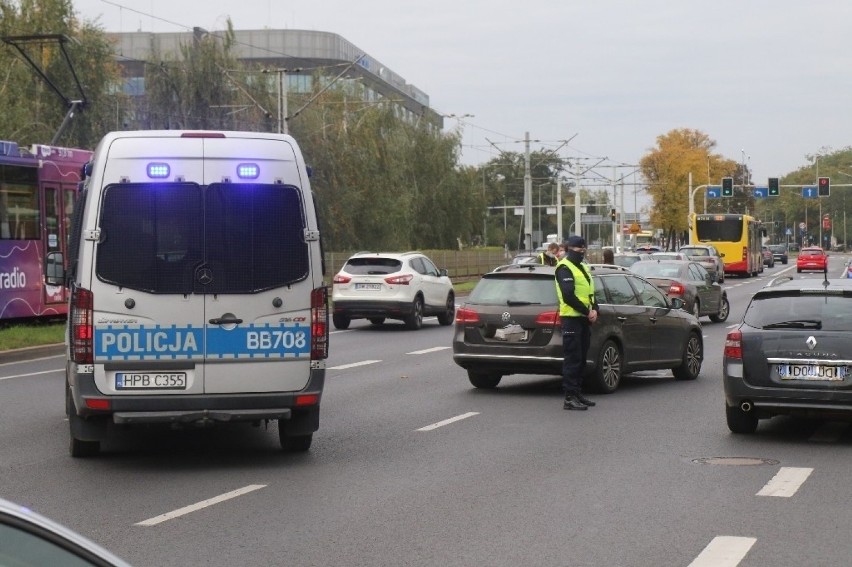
<point>294,443</point>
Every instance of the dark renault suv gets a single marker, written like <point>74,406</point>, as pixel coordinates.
<point>510,324</point>
<point>791,354</point>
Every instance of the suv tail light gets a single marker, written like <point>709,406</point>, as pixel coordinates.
<point>341,279</point>
<point>548,319</point>
<point>404,279</point>
<point>82,330</point>
<point>676,289</point>
<point>319,323</point>
<point>465,316</point>
<point>734,345</point>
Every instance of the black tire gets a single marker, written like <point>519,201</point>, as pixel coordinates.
<point>608,370</point>
<point>341,321</point>
<point>447,316</point>
<point>693,356</point>
<point>485,380</point>
<point>80,448</point>
<point>295,443</point>
<point>784,262</point>
<point>415,320</point>
<point>724,311</point>
<point>377,320</point>
<point>739,421</point>
<point>799,270</point>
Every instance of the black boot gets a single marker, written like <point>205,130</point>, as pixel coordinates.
<point>585,401</point>
<point>572,402</point>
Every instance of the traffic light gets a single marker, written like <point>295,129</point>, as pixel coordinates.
<point>727,187</point>
<point>773,187</point>
<point>824,186</point>
<point>612,215</point>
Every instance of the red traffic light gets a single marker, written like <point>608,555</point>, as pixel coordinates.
<point>824,186</point>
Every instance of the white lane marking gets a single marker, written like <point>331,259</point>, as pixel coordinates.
<point>428,350</point>
<point>449,421</point>
<point>353,365</point>
<point>786,482</point>
<point>27,361</point>
<point>829,432</point>
<point>31,374</point>
<point>199,506</point>
<point>724,551</point>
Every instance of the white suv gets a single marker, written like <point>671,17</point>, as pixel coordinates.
<point>379,286</point>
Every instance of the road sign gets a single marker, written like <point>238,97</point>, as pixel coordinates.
<point>760,192</point>
<point>635,228</point>
<point>714,192</point>
<point>809,192</point>
<point>789,232</point>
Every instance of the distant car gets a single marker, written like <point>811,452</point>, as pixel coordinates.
<point>688,281</point>
<point>525,258</point>
<point>708,257</point>
<point>627,259</point>
<point>647,249</point>
<point>509,324</point>
<point>779,252</point>
<point>768,258</point>
<point>379,286</point>
<point>812,258</point>
<point>29,539</point>
<point>790,355</point>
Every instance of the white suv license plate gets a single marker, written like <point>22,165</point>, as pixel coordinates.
<point>150,380</point>
<point>812,372</point>
<point>368,286</point>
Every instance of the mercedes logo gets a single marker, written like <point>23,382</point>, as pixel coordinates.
<point>204,276</point>
<point>505,317</point>
<point>811,342</point>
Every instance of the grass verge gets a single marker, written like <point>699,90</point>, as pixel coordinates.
<point>22,335</point>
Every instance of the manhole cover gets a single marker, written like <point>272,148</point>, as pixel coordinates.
<point>735,461</point>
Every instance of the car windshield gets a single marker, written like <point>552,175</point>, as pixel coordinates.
<point>625,261</point>
<point>812,311</point>
<point>651,269</point>
<point>514,290</point>
<point>811,252</point>
<point>695,251</point>
<point>777,248</point>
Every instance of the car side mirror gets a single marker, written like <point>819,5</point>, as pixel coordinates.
<point>54,271</point>
<point>676,303</point>
<point>443,272</point>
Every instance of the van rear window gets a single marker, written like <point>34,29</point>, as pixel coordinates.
<point>187,238</point>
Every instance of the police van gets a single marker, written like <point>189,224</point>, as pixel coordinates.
<point>197,292</point>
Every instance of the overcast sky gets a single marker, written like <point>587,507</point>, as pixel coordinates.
<point>769,80</point>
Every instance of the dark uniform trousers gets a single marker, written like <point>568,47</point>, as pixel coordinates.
<point>576,335</point>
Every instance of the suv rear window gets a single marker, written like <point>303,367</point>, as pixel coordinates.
<point>513,290</point>
<point>831,312</point>
<point>156,237</point>
<point>372,266</point>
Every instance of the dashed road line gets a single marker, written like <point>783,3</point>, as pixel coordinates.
<point>724,551</point>
<point>199,505</point>
<point>428,350</point>
<point>353,365</point>
<point>786,482</point>
<point>449,421</point>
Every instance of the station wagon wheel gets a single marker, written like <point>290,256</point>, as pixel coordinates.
<point>607,374</point>
<point>415,320</point>
<point>447,316</point>
<point>487,380</point>
<point>376,320</point>
<point>724,311</point>
<point>740,421</point>
<point>340,321</point>
<point>693,356</point>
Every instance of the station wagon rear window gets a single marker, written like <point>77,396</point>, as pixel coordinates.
<point>187,238</point>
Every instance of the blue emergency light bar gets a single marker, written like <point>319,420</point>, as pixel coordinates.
<point>248,171</point>
<point>158,170</point>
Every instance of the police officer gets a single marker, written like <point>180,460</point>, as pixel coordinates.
<point>578,312</point>
<point>549,257</point>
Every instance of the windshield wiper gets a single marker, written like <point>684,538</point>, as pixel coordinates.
<point>515,303</point>
<point>796,324</point>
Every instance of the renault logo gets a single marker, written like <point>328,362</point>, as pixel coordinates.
<point>811,342</point>
<point>204,276</point>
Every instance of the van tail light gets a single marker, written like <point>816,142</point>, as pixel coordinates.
<point>676,289</point>
<point>734,345</point>
<point>82,330</point>
<point>465,316</point>
<point>548,319</point>
<point>341,279</point>
<point>319,323</point>
<point>400,280</point>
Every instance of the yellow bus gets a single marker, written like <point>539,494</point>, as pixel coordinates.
<point>736,237</point>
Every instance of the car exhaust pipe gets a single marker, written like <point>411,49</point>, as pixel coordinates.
<point>745,406</point>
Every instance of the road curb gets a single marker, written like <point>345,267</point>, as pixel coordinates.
<point>29,353</point>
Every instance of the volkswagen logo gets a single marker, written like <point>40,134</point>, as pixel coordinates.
<point>505,317</point>
<point>204,276</point>
<point>811,342</point>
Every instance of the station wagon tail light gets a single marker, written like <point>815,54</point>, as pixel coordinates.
<point>319,323</point>
<point>465,316</point>
<point>734,345</point>
<point>341,279</point>
<point>404,279</point>
<point>82,330</point>
<point>676,289</point>
<point>548,319</point>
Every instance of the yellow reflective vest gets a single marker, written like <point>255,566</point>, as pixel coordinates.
<point>584,288</point>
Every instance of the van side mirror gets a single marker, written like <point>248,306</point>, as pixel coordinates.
<point>54,270</point>
<point>676,303</point>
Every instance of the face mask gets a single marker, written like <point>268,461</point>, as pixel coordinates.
<point>575,256</point>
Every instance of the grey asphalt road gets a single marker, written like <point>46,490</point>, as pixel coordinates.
<point>412,466</point>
